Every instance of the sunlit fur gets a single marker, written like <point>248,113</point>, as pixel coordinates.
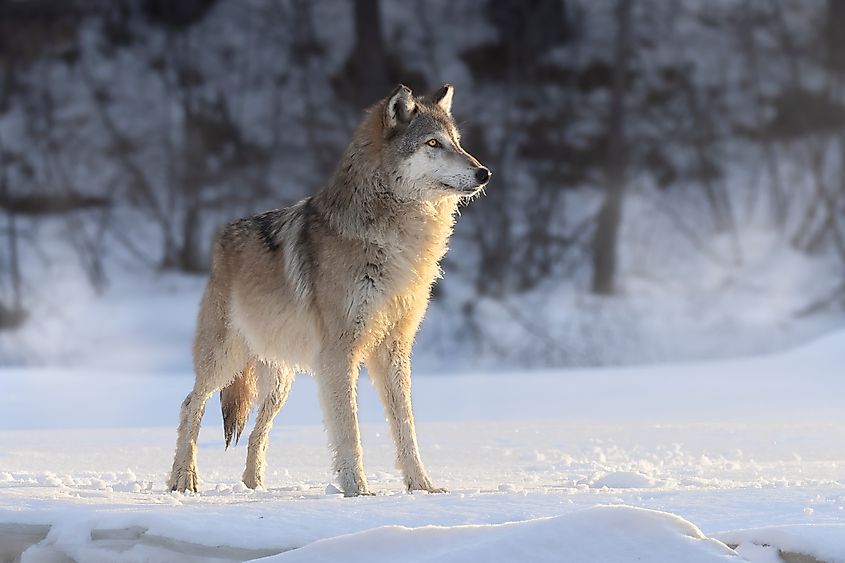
<point>337,280</point>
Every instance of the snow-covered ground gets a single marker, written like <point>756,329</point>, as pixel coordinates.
<point>645,463</point>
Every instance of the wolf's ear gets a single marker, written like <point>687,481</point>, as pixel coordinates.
<point>443,97</point>
<point>400,106</point>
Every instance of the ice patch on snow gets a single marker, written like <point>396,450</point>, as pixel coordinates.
<point>824,542</point>
<point>128,544</point>
<point>17,538</point>
<point>759,553</point>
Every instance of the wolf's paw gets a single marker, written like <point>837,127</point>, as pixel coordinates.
<point>253,481</point>
<point>364,493</point>
<point>184,480</point>
<point>437,490</point>
<point>353,483</point>
<point>423,484</point>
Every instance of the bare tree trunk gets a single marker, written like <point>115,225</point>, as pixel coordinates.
<point>14,315</point>
<point>191,253</point>
<point>369,59</point>
<point>779,194</point>
<point>607,228</point>
<point>14,265</point>
<point>835,38</point>
<point>311,66</point>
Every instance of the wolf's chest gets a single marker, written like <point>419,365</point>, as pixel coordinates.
<point>395,280</point>
<point>405,273</point>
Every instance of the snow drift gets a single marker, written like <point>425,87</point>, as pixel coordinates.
<point>605,533</point>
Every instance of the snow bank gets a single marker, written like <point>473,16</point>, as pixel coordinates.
<point>823,542</point>
<point>603,533</point>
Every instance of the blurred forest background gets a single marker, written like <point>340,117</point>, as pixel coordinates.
<point>669,177</point>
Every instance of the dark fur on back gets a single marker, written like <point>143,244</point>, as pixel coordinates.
<point>266,225</point>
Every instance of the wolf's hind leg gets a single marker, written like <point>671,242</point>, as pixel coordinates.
<point>219,356</point>
<point>274,384</point>
<point>183,476</point>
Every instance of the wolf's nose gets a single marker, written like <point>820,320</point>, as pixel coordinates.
<point>482,175</point>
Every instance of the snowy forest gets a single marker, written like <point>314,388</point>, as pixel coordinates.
<point>669,176</point>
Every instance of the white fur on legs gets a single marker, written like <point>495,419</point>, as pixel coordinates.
<point>390,369</point>
<point>338,382</point>
<point>218,356</point>
<point>183,476</point>
<point>274,384</point>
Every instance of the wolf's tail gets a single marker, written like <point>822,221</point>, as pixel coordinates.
<point>236,400</point>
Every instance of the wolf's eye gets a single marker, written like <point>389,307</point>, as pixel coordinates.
<point>434,143</point>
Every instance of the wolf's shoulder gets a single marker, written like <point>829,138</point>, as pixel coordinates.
<point>268,226</point>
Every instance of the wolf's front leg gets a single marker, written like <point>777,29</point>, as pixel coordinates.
<point>390,368</point>
<point>338,380</point>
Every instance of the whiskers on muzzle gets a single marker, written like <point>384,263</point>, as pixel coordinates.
<point>473,193</point>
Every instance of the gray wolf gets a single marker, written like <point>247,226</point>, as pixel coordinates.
<point>340,279</point>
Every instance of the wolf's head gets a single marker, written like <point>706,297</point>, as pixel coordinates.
<point>421,147</point>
